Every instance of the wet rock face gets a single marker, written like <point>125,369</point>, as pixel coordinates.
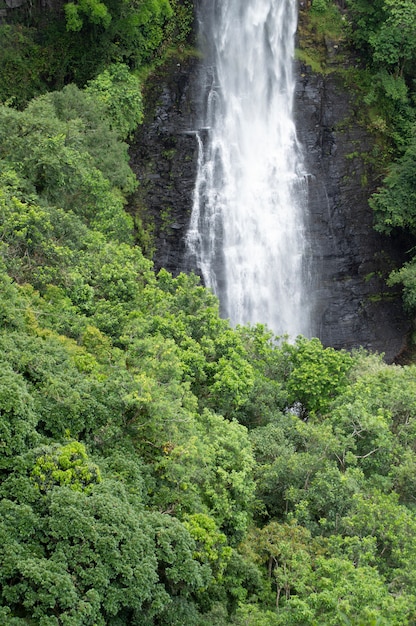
<point>164,157</point>
<point>353,305</point>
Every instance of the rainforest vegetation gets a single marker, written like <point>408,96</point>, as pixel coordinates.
<point>158,467</point>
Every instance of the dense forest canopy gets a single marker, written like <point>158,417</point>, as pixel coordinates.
<point>158,467</point>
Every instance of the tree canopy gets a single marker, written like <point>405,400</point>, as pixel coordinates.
<point>157,466</point>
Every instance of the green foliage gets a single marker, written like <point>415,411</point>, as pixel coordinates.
<point>284,549</point>
<point>222,484</point>
<point>384,32</point>
<point>394,203</point>
<point>97,555</point>
<point>65,465</point>
<point>319,6</point>
<point>22,65</point>
<point>298,473</point>
<point>120,93</point>
<point>63,151</point>
<point>393,43</point>
<point>314,585</point>
<point>179,29</point>
<point>325,20</point>
<point>367,16</point>
<point>58,142</point>
<point>17,416</point>
<point>406,276</point>
<point>91,119</point>
<point>156,465</point>
<point>123,33</point>
<point>316,375</point>
<point>46,49</point>
<point>95,560</point>
<point>164,498</point>
<point>94,11</point>
<point>213,357</point>
<point>394,208</point>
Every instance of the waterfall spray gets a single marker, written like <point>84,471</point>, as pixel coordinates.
<point>248,227</point>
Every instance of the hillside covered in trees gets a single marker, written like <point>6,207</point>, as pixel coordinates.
<point>158,467</point>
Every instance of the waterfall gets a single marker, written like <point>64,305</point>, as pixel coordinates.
<point>248,226</point>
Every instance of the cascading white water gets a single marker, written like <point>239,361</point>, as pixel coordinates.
<point>247,230</point>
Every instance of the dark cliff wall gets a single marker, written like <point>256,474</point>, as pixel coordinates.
<point>164,157</point>
<point>353,305</point>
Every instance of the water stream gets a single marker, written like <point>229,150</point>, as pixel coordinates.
<point>248,230</point>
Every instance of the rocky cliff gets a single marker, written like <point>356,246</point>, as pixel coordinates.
<point>164,157</point>
<point>354,307</point>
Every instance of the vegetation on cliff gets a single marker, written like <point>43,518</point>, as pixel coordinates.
<point>158,467</point>
<point>384,32</point>
<point>382,37</point>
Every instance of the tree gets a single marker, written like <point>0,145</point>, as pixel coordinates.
<point>135,31</point>
<point>393,526</point>
<point>18,418</point>
<point>88,553</point>
<point>367,15</point>
<point>394,203</point>
<point>95,11</point>
<point>213,355</point>
<point>316,375</point>
<point>65,465</point>
<point>209,470</point>
<point>284,549</point>
<point>393,43</point>
<point>22,65</point>
<point>120,92</point>
<point>63,160</point>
